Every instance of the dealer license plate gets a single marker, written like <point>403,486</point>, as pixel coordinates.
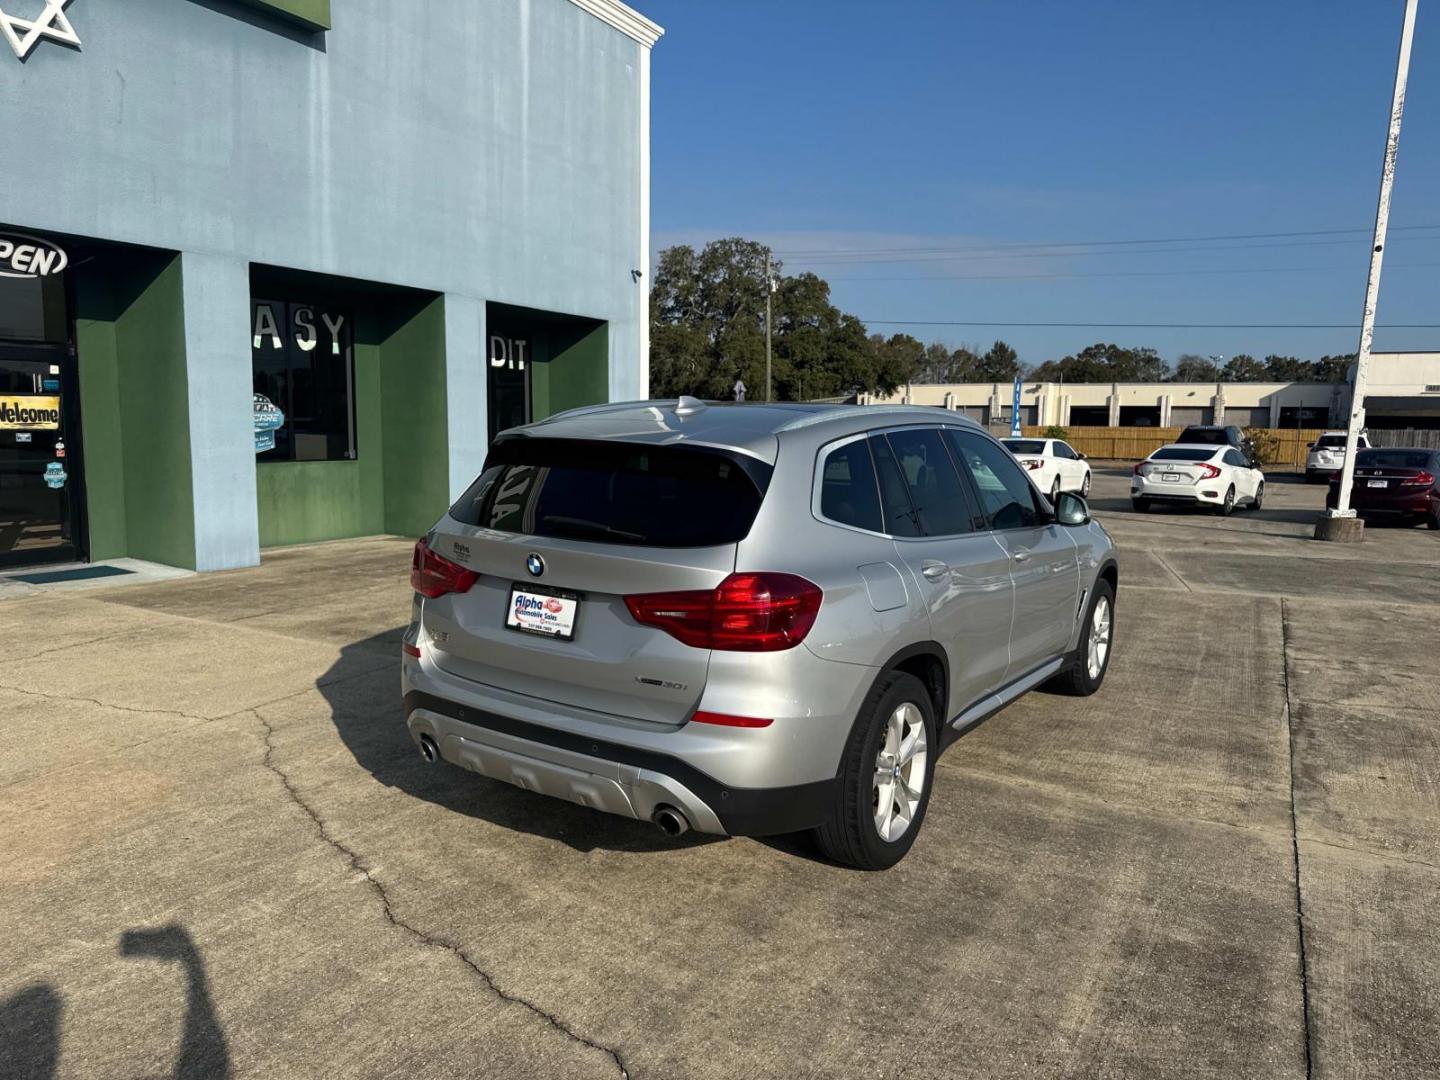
<point>1378,483</point>
<point>547,612</point>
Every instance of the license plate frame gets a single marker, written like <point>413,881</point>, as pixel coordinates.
<point>1170,477</point>
<point>1377,483</point>
<point>536,627</point>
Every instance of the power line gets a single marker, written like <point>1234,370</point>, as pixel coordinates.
<point>804,253</point>
<point>1147,325</point>
<point>1124,273</point>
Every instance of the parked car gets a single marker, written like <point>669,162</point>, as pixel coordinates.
<point>1214,435</point>
<point>1397,483</point>
<point>1327,455</point>
<point>1217,476</point>
<point>747,619</point>
<point>1054,465</point>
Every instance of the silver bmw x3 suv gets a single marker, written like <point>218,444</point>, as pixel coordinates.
<point>747,619</point>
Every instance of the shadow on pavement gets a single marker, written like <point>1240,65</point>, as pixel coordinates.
<point>30,1033</point>
<point>365,706</point>
<point>203,1053</point>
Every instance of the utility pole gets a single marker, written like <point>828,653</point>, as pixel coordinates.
<point>769,314</point>
<point>1341,523</point>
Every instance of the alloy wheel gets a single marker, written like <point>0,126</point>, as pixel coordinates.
<point>1098,646</point>
<point>900,769</point>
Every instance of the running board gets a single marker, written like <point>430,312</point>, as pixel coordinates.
<point>995,702</point>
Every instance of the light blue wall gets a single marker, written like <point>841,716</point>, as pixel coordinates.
<point>483,149</point>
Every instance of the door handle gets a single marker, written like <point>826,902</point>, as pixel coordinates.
<point>1021,555</point>
<point>934,571</point>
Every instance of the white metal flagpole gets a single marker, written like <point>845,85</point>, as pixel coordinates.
<point>1377,259</point>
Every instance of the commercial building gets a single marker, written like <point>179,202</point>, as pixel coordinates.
<point>274,273</point>
<point>1404,392</point>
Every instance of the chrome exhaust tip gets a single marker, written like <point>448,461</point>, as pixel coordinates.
<point>671,821</point>
<point>428,750</point>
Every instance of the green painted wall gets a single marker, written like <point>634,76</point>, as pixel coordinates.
<point>314,14</point>
<point>101,444</point>
<point>577,371</point>
<point>304,501</point>
<point>135,409</point>
<point>414,418</point>
<point>155,421</point>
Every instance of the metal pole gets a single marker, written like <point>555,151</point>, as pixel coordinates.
<point>769,295</point>
<point>1377,258</point>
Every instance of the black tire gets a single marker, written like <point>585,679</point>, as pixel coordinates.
<point>1433,521</point>
<point>1226,508</point>
<point>1055,492</point>
<point>1076,680</point>
<point>849,835</point>
<point>1259,501</point>
<point>1085,487</point>
<point>1140,505</point>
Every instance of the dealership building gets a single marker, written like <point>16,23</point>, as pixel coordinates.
<point>276,271</point>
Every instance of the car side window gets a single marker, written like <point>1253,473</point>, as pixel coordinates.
<point>1007,497</point>
<point>897,512</point>
<point>1234,457</point>
<point>848,491</point>
<point>936,490</point>
<point>1064,451</point>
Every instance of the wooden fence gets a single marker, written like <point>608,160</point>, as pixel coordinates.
<point>1279,447</point>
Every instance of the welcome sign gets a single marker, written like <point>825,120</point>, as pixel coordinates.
<point>29,412</point>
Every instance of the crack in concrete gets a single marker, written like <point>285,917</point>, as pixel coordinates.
<point>72,645</point>
<point>358,864</point>
<point>1295,844</point>
<point>1166,564</point>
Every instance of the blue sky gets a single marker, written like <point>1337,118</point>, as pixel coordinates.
<point>839,126</point>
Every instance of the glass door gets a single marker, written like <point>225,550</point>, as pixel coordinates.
<point>39,519</point>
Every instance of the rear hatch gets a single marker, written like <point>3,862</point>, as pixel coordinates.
<point>598,520</point>
<point>1180,473</point>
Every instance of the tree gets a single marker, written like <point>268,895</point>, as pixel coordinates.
<point>1287,369</point>
<point>897,359</point>
<point>1334,369</point>
<point>1193,368</point>
<point>1000,364</point>
<point>1101,363</point>
<point>1242,367</point>
<point>707,316</point>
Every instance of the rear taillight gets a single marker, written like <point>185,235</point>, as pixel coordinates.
<point>1139,469</point>
<point>1421,479</point>
<point>744,613</point>
<point>434,575</point>
<point>1032,465</point>
<point>1208,472</point>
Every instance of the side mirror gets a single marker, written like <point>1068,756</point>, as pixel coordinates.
<point>1071,509</point>
<point>1082,457</point>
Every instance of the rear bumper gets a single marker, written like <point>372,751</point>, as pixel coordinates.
<point>1180,494</point>
<point>613,777</point>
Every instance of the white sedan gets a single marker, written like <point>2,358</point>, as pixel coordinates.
<point>1197,475</point>
<point>1054,465</point>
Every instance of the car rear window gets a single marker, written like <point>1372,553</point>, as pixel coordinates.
<point>616,493</point>
<point>1392,459</point>
<point>1330,442</point>
<point>1182,453</point>
<point>1209,436</point>
<point>1024,446</point>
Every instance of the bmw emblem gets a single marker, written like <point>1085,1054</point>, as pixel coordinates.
<point>535,564</point>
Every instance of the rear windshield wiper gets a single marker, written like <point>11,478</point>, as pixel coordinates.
<point>593,528</point>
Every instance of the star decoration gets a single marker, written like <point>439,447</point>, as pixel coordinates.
<point>23,34</point>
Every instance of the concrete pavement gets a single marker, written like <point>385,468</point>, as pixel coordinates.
<point>225,858</point>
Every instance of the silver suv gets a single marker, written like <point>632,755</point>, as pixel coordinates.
<point>747,619</point>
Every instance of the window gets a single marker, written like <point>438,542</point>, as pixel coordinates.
<point>848,492</point>
<point>936,491</point>
<point>1066,451</point>
<point>1025,446</point>
<point>897,512</point>
<point>302,363</point>
<point>1182,453</point>
<point>617,493</point>
<point>1207,436</point>
<point>1234,457</point>
<point>1008,498</point>
<point>1393,459</point>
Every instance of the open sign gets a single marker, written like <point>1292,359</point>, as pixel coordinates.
<point>30,257</point>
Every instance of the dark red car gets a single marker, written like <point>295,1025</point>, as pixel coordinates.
<point>1396,482</point>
